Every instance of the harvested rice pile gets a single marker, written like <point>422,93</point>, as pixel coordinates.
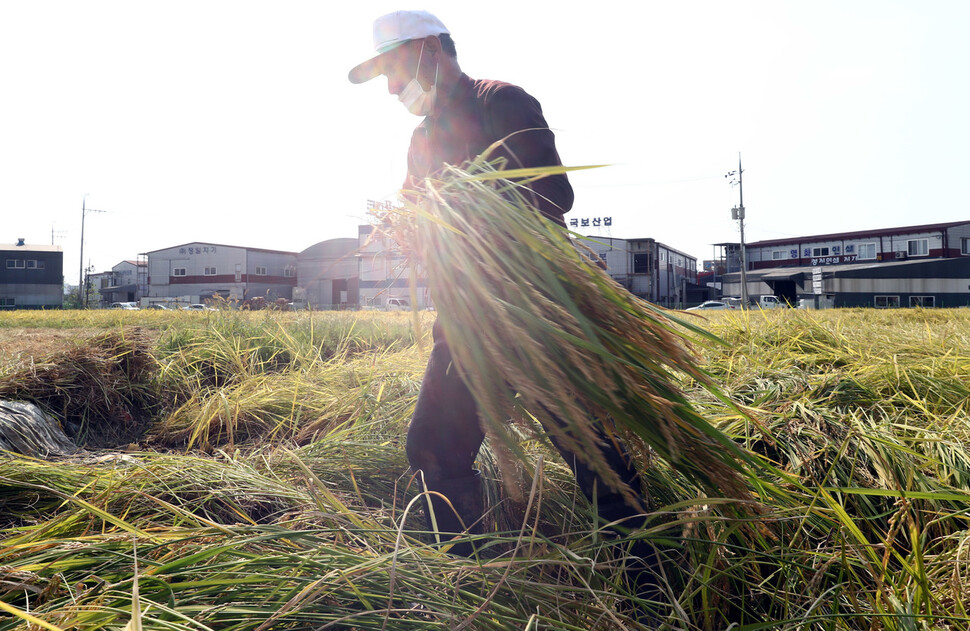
<point>100,388</point>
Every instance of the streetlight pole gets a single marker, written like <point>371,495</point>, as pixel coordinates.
<point>737,213</point>
<point>81,289</point>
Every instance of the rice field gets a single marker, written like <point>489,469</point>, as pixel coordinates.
<point>246,471</point>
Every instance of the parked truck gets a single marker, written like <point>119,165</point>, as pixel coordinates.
<point>770,302</point>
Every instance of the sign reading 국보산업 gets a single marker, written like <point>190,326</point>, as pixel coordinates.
<point>586,222</point>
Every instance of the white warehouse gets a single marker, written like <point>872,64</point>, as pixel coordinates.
<point>200,271</point>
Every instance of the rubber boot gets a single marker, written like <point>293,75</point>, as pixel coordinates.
<point>464,514</point>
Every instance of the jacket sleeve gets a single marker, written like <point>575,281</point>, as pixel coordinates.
<point>513,115</point>
<point>418,158</point>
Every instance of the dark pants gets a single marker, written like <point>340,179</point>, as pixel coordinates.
<point>443,440</point>
<point>445,435</point>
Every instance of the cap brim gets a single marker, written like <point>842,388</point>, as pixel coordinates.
<point>372,67</point>
<point>365,71</point>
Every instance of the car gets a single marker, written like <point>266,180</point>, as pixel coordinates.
<point>397,304</point>
<point>197,307</point>
<point>127,306</point>
<point>711,304</point>
<point>157,305</point>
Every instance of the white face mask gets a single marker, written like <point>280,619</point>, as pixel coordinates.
<point>415,98</point>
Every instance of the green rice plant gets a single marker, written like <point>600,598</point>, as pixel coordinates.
<point>231,345</point>
<point>249,578</point>
<point>327,558</point>
<point>836,407</point>
<point>295,404</point>
<point>86,494</point>
<point>313,525</point>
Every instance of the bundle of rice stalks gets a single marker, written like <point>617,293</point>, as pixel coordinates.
<point>535,325</point>
<point>101,389</point>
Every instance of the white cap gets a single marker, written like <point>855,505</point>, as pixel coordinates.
<point>392,30</point>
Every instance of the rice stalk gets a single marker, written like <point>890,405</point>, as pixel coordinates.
<point>574,346</point>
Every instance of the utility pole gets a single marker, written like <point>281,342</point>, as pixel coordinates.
<point>58,234</point>
<point>82,291</point>
<point>737,213</point>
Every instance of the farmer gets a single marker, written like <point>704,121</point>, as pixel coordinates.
<point>462,118</point>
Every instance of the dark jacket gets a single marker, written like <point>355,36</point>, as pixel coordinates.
<point>475,114</point>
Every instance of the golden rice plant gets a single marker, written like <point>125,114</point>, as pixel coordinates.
<point>535,325</point>
<point>872,533</point>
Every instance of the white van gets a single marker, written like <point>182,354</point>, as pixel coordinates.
<point>397,304</point>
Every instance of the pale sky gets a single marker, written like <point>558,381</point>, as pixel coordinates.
<point>233,122</point>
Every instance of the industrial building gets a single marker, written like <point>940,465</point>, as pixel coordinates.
<point>327,275</point>
<point>198,271</point>
<point>126,282</point>
<point>923,265</point>
<point>651,270</point>
<point>32,276</point>
<point>370,272</point>
<point>913,266</point>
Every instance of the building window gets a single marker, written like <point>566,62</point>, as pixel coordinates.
<point>178,271</point>
<point>15,264</point>
<point>209,271</point>
<point>917,247</point>
<point>289,272</point>
<point>921,301</point>
<point>641,263</point>
<point>8,302</point>
<point>820,251</point>
<point>261,270</point>
<point>779,255</point>
<point>866,251</point>
<point>886,302</point>
<point>964,246</point>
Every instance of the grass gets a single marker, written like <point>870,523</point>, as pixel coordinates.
<point>269,486</point>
